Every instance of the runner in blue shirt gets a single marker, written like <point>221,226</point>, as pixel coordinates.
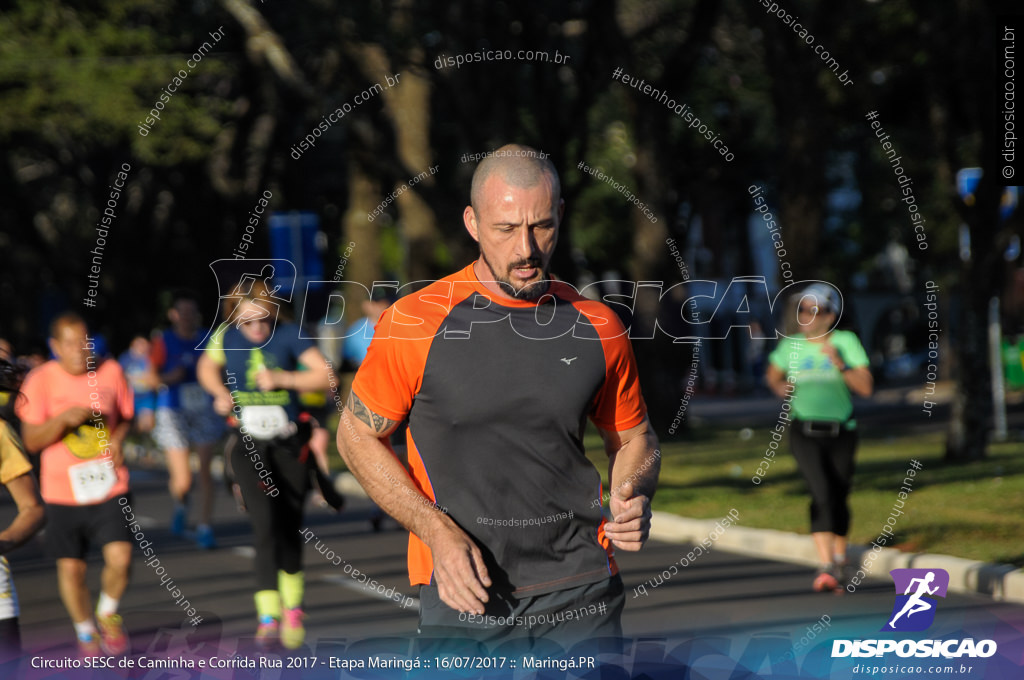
<point>184,415</point>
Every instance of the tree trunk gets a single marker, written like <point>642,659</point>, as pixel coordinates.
<point>364,262</point>
<point>408,106</point>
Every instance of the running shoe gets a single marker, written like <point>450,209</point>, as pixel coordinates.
<point>292,632</point>
<point>204,537</point>
<point>89,645</point>
<point>268,632</point>
<point>113,639</point>
<point>179,519</point>
<point>825,582</point>
<point>844,572</point>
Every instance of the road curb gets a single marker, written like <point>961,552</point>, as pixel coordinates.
<point>1002,582</point>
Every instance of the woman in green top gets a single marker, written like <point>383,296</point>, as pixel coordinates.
<point>815,371</point>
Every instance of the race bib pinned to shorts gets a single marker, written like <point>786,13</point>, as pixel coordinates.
<point>267,422</point>
<point>92,481</point>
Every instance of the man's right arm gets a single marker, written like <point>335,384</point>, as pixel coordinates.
<point>775,379</point>
<point>459,568</point>
<point>210,375</point>
<point>37,437</point>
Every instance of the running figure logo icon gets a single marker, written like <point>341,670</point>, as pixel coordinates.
<point>236,280</point>
<point>914,609</point>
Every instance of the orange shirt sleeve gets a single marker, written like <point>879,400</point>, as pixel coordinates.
<point>391,375</point>
<point>31,408</point>
<point>385,381</point>
<point>619,404</point>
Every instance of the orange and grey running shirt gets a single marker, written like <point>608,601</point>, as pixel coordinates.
<point>497,393</point>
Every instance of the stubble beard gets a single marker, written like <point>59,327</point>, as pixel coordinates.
<point>529,292</point>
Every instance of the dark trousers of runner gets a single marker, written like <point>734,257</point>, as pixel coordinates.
<point>827,464</point>
<point>276,519</point>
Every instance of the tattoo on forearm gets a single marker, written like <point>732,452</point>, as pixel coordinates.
<point>379,423</point>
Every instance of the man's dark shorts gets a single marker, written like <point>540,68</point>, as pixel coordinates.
<point>71,529</point>
<point>565,618</point>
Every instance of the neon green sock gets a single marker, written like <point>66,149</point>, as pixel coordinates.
<point>292,587</point>
<point>268,603</point>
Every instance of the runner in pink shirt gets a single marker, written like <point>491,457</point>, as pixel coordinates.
<point>77,412</point>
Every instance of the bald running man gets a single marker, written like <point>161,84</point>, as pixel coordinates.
<point>497,368</point>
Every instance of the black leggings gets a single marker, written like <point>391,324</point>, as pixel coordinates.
<point>276,519</point>
<point>827,465</point>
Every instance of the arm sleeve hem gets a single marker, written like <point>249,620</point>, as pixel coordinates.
<point>622,425</point>
<point>377,408</point>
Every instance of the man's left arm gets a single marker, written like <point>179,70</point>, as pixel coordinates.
<point>634,463</point>
<point>126,410</point>
<point>116,442</point>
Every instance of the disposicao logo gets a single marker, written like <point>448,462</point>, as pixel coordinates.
<point>913,611</point>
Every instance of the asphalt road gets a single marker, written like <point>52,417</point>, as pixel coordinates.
<point>722,609</point>
<point>731,600</point>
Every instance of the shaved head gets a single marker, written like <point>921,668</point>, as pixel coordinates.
<point>517,165</point>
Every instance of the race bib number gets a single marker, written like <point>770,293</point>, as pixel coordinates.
<point>266,422</point>
<point>194,397</point>
<point>91,482</point>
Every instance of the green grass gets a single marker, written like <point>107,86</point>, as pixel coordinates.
<point>974,511</point>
